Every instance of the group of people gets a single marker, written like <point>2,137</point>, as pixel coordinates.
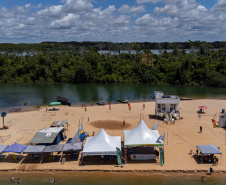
<point>206,158</point>
<point>210,171</point>
<point>13,180</point>
<point>18,180</point>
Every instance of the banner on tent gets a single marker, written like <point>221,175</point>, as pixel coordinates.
<point>119,156</point>
<point>161,156</point>
<point>142,156</point>
<point>142,145</point>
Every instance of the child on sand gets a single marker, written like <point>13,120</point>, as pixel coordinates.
<point>12,178</point>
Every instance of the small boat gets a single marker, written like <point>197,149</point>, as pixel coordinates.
<point>122,100</point>
<point>63,101</point>
<point>100,102</point>
<point>184,98</point>
<point>54,103</point>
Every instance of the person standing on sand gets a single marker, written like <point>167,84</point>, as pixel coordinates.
<point>12,178</point>
<point>123,123</point>
<point>203,178</point>
<point>143,106</point>
<point>82,105</point>
<point>200,129</point>
<point>18,181</point>
<point>91,103</point>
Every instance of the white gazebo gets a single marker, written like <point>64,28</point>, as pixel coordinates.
<point>142,136</point>
<point>101,144</point>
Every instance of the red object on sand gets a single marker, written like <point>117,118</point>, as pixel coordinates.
<point>202,107</point>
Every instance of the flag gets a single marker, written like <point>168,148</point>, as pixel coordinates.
<point>156,126</point>
<point>162,137</point>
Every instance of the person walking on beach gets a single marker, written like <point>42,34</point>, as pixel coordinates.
<point>12,178</point>
<point>91,103</point>
<point>200,129</point>
<point>143,106</point>
<point>18,181</point>
<point>123,123</point>
<point>82,105</point>
<point>203,178</point>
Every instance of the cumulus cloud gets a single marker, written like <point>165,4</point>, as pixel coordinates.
<point>148,1</point>
<point>76,6</point>
<point>51,12</point>
<point>170,20</point>
<point>66,22</point>
<point>131,9</point>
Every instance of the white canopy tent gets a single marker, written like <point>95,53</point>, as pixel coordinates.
<point>102,144</point>
<point>142,136</point>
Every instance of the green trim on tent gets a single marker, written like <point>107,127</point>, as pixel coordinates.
<point>144,145</point>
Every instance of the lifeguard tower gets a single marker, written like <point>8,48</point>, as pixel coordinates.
<point>167,106</point>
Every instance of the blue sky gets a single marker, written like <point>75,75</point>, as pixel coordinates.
<point>33,21</point>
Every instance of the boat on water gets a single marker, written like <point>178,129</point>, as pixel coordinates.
<point>121,100</point>
<point>100,102</point>
<point>155,93</point>
<point>63,101</point>
<point>184,98</point>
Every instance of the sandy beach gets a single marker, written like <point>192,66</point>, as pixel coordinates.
<point>180,137</point>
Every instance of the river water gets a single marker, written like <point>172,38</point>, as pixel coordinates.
<point>109,178</point>
<point>15,94</point>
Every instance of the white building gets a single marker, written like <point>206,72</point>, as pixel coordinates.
<point>167,106</point>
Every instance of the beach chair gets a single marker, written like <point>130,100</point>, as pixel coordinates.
<point>14,157</point>
<point>51,157</point>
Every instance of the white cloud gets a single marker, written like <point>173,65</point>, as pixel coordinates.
<point>220,6</point>
<point>131,9</point>
<point>76,6</point>
<point>171,20</point>
<point>51,12</point>
<point>148,1</point>
<point>66,22</point>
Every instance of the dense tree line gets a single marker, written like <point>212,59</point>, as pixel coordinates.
<point>200,66</point>
<point>116,47</point>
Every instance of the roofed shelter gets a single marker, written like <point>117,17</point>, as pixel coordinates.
<point>3,147</point>
<point>59,123</point>
<point>53,148</point>
<point>34,149</point>
<point>207,153</point>
<point>48,136</point>
<point>102,144</point>
<point>142,136</point>
<point>72,147</point>
<point>15,148</point>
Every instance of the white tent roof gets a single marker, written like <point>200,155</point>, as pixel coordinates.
<point>102,144</point>
<point>141,136</point>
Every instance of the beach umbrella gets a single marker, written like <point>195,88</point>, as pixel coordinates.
<point>202,107</point>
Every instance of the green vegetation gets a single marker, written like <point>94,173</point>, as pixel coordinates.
<point>65,62</point>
